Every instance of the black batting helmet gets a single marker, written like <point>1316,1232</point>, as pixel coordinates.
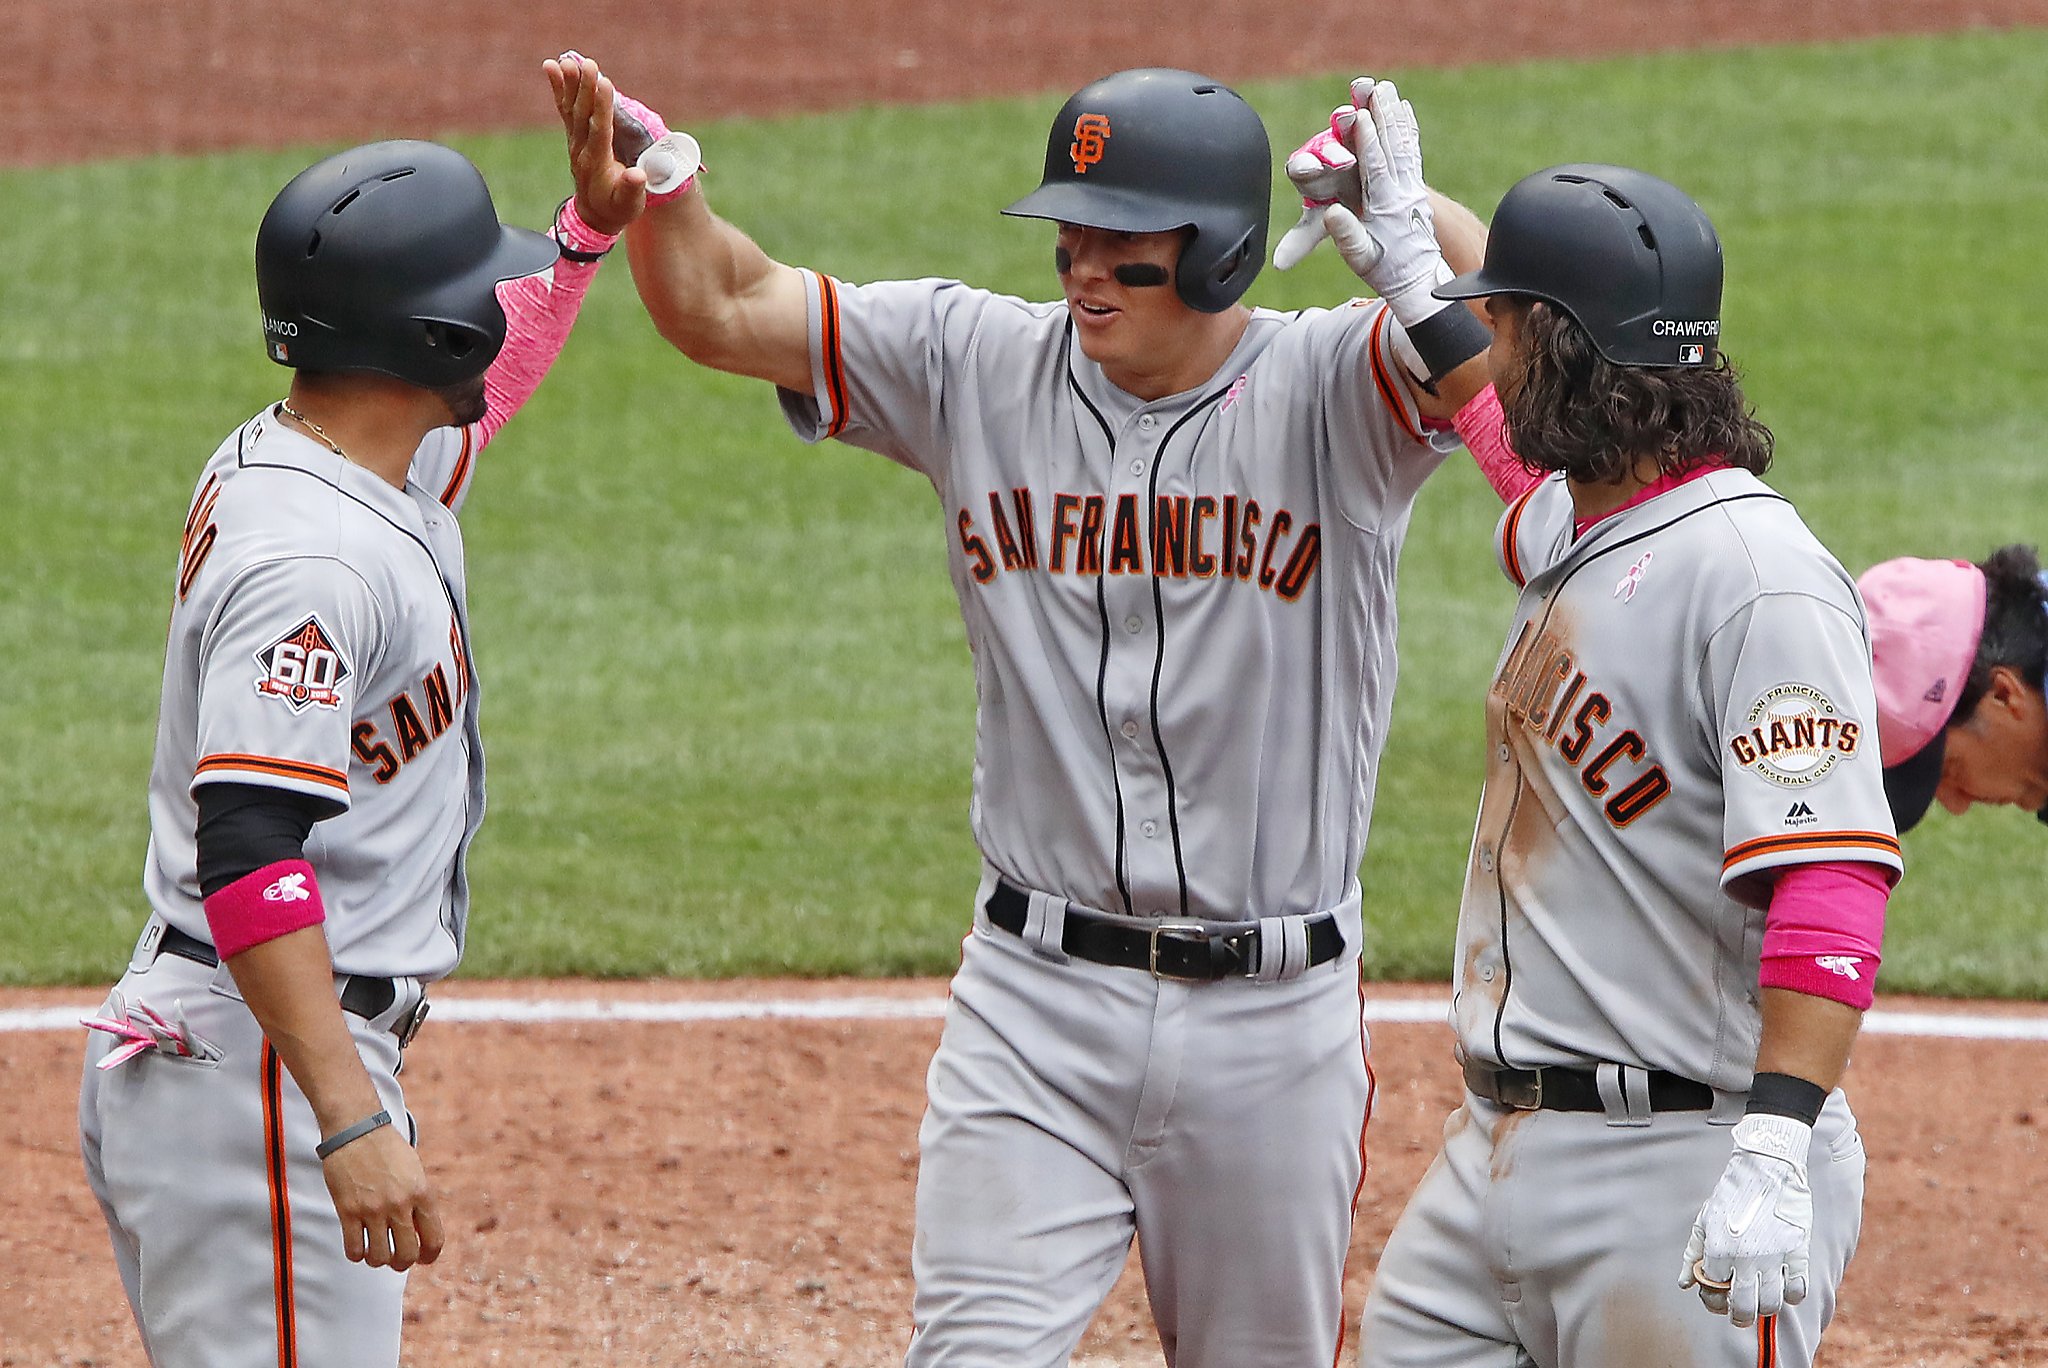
<point>386,258</point>
<point>1152,150</point>
<point>1630,257</point>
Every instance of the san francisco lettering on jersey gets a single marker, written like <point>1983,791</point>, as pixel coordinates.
<point>1198,536</point>
<point>413,730</point>
<point>1543,688</point>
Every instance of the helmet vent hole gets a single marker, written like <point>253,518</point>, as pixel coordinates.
<point>1649,238</point>
<point>313,243</point>
<point>1616,199</point>
<point>1205,90</point>
<point>346,201</point>
<point>456,342</point>
<point>399,175</point>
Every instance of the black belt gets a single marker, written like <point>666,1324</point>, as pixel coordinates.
<point>1575,1090</point>
<point>1200,952</point>
<point>367,998</point>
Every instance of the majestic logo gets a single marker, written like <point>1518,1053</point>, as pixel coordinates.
<point>1692,354</point>
<point>1796,736</point>
<point>1625,588</point>
<point>302,668</point>
<point>1937,692</point>
<point>1091,140</point>
<point>1799,814</point>
<point>1843,966</point>
<point>290,888</point>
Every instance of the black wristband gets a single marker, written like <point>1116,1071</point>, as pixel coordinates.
<point>570,253</point>
<point>374,1121</point>
<point>1448,338</point>
<point>1776,1094</point>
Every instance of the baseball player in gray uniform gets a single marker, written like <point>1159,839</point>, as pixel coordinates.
<point>1672,912</point>
<point>1960,652</point>
<point>318,776</point>
<point>1173,524</point>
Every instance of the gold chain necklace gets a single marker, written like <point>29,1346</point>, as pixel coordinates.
<point>284,406</point>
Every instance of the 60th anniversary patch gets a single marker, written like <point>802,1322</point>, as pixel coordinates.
<point>303,668</point>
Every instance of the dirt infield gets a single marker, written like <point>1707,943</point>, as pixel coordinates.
<point>740,1191</point>
<point>120,76</point>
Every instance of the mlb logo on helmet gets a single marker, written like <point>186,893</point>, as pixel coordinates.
<point>1692,354</point>
<point>1091,140</point>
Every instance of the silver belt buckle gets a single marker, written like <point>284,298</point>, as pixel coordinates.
<point>1199,935</point>
<point>414,1019</point>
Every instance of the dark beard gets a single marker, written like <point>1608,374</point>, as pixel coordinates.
<point>465,402</point>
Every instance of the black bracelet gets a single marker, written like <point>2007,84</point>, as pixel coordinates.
<point>1448,338</point>
<point>571,253</point>
<point>356,1132</point>
<point>1777,1094</point>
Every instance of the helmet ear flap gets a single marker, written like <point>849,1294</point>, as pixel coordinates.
<point>1212,278</point>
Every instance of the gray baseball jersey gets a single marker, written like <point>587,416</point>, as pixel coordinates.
<point>1182,626</point>
<point>1684,706</point>
<point>319,643</point>
<point>1181,612</point>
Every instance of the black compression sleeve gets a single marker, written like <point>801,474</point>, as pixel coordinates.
<point>243,827</point>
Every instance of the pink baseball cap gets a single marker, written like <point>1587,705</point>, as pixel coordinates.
<point>1926,618</point>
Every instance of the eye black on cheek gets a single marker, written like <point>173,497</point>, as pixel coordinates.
<point>1138,275</point>
<point>1062,260</point>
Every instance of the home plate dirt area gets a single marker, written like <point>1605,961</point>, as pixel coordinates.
<point>660,1173</point>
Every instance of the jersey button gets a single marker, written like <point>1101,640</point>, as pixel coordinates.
<point>1486,859</point>
<point>1134,624</point>
<point>1150,828</point>
<point>1129,729</point>
<point>1504,756</point>
<point>1137,467</point>
<point>1146,422</point>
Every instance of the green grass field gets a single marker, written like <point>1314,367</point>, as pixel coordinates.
<point>727,698</point>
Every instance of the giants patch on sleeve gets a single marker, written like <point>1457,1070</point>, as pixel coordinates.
<point>303,668</point>
<point>1795,736</point>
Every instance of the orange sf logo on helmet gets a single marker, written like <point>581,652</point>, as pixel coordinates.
<point>1091,132</point>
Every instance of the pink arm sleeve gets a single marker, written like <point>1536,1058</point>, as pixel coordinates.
<point>539,311</point>
<point>1485,431</point>
<point>1824,929</point>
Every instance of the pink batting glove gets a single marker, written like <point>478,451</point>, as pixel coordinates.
<point>1324,171</point>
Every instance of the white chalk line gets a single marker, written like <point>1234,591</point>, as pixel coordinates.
<point>1392,1011</point>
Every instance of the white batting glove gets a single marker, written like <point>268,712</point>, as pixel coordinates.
<point>1748,1251</point>
<point>1324,172</point>
<point>1392,245</point>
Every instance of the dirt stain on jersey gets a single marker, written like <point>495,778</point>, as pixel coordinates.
<point>1477,979</point>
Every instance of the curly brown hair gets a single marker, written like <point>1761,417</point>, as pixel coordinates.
<point>1569,408</point>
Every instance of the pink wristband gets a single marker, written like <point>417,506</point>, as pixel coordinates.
<point>1824,932</point>
<point>276,900</point>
